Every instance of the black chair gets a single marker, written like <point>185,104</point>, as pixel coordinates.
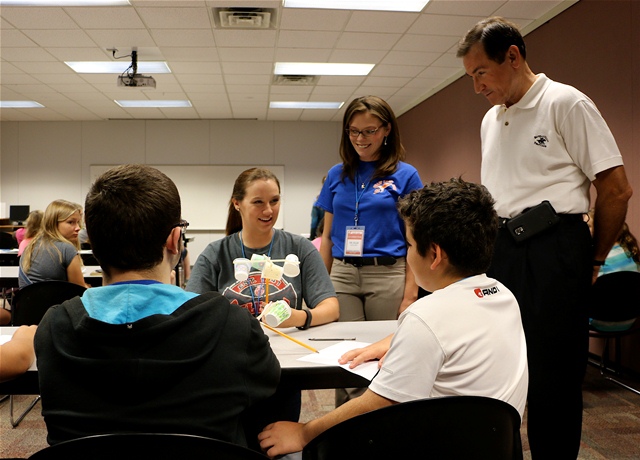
<point>613,306</point>
<point>29,305</point>
<point>138,446</point>
<point>31,302</point>
<point>451,428</point>
<point>8,241</point>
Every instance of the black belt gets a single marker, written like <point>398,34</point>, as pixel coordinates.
<point>362,261</point>
<point>502,221</point>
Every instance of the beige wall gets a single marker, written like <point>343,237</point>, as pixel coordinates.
<point>594,46</point>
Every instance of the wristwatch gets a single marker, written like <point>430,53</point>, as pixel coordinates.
<point>307,323</point>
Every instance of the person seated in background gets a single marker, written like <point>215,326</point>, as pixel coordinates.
<point>53,251</point>
<point>140,354</point>
<point>17,355</point>
<point>624,256</point>
<point>466,338</point>
<point>253,211</point>
<point>31,228</point>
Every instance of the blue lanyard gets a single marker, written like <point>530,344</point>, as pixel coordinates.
<point>253,299</point>
<point>358,196</point>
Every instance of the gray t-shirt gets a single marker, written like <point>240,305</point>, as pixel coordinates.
<point>214,271</point>
<point>47,263</point>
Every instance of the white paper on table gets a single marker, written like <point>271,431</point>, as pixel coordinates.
<point>331,354</point>
<point>4,338</point>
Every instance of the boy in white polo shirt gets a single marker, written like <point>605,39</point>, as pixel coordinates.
<point>466,338</point>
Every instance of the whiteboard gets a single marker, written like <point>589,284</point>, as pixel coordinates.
<point>205,190</point>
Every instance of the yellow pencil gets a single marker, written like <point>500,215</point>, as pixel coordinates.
<point>289,337</point>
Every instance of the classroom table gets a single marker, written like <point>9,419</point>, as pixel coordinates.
<point>9,276</point>
<point>295,374</point>
<point>9,257</point>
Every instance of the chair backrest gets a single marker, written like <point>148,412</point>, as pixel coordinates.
<point>615,297</point>
<point>139,446</point>
<point>7,241</point>
<point>451,428</point>
<point>30,303</point>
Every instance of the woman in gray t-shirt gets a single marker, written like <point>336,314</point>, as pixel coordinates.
<point>53,253</point>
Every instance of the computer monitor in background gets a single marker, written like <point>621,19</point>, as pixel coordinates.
<point>18,213</point>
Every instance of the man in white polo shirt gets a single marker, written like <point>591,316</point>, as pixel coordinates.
<point>543,145</point>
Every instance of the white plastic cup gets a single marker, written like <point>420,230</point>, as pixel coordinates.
<point>241,269</point>
<point>291,266</point>
<point>277,313</point>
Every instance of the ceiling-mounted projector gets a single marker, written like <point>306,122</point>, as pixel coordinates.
<point>136,81</point>
<point>130,78</point>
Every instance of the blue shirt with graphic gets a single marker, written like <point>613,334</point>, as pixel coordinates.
<point>377,212</point>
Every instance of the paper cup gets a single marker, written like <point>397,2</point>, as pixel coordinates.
<point>241,269</point>
<point>277,313</point>
<point>291,265</point>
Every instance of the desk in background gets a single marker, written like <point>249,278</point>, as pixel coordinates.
<point>9,257</point>
<point>9,276</point>
<point>295,374</point>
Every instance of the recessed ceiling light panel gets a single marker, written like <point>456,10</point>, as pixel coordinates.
<point>20,105</point>
<point>65,2</point>
<point>304,105</point>
<point>319,68</point>
<point>372,5</point>
<point>117,67</point>
<point>157,103</point>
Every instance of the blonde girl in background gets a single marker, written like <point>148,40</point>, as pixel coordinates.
<point>53,254</point>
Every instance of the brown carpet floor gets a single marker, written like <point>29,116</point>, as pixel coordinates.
<point>611,429</point>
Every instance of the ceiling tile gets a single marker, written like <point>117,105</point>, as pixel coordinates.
<point>175,18</point>
<point>383,22</point>
<point>38,18</point>
<point>106,17</point>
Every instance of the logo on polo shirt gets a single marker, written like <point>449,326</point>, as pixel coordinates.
<point>487,291</point>
<point>540,140</point>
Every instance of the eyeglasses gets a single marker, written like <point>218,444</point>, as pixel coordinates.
<point>352,132</point>
<point>184,224</point>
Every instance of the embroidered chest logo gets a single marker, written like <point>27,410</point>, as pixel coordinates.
<point>540,140</point>
<point>380,186</point>
<point>483,292</point>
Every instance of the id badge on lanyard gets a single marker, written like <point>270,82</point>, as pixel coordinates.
<point>354,241</point>
<point>354,236</point>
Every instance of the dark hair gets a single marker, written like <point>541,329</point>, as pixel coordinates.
<point>459,217</point>
<point>390,154</point>
<point>496,35</point>
<point>320,227</point>
<point>130,211</point>
<point>246,178</point>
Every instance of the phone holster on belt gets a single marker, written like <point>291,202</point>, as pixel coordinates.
<point>532,221</point>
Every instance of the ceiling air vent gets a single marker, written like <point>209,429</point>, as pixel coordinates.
<point>299,80</point>
<point>244,18</point>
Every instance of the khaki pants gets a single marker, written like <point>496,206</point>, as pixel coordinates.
<point>369,293</point>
